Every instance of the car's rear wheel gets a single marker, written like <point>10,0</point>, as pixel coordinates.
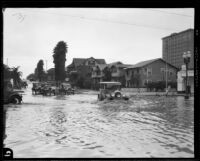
<point>100,97</point>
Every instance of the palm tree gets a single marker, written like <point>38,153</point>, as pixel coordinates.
<point>7,72</point>
<point>59,60</point>
<point>40,70</point>
<point>16,75</point>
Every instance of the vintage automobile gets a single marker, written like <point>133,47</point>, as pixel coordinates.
<point>36,89</point>
<point>11,96</point>
<point>67,88</point>
<point>111,90</point>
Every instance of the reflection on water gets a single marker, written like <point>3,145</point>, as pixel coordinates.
<point>80,126</point>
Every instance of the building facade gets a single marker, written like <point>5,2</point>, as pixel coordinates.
<point>118,72</point>
<point>80,70</point>
<point>174,45</point>
<point>116,69</point>
<point>155,70</point>
<point>97,75</point>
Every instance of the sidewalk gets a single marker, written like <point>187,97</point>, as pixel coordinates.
<point>155,93</point>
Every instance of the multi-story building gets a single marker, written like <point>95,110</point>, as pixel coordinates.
<point>154,70</point>
<point>175,45</point>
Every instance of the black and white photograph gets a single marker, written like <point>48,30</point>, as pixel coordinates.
<point>98,82</point>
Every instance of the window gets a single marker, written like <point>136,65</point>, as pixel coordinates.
<point>144,70</point>
<point>149,71</point>
<point>114,69</point>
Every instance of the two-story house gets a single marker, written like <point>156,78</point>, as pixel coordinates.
<point>97,75</point>
<point>118,72</point>
<point>82,68</point>
<point>116,69</point>
<point>154,70</point>
<point>90,62</point>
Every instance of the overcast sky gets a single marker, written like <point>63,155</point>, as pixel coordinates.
<point>128,35</point>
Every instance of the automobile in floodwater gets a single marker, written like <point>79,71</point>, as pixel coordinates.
<point>111,90</point>
<point>49,88</point>
<point>67,88</point>
<point>11,96</point>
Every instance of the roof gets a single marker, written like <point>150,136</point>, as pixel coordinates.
<point>144,63</point>
<point>174,34</point>
<point>115,63</point>
<point>119,64</point>
<point>102,66</point>
<point>80,61</point>
<point>124,65</point>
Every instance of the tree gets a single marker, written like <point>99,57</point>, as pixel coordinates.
<point>16,75</point>
<point>40,70</point>
<point>135,80</point>
<point>7,72</point>
<point>59,57</point>
<point>31,77</point>
<point>107,74</point>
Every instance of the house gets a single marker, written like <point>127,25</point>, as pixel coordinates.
<point>80,71</point>
<point>153,70</point>
<point>117,72</point>
<point>51,74</point>
<point>90,62</point>
<point>97,75</point>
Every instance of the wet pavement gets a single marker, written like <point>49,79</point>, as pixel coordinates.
<point>80,126</point>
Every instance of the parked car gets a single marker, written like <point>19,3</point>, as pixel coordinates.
<point>11,96</point>
<point>36,89</point>
<point>111,90</point>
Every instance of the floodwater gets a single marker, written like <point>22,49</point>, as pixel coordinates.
<point>80,126</point>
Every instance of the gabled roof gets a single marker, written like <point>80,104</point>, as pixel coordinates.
<point>144,63</point>
<point>102,66</point>
<point>124,65</point>
<point>80,61</point>
<point>101,61</point>
<point>119,64</point>
<point>115,63</point>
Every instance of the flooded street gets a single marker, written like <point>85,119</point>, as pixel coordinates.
<point>80,126</point>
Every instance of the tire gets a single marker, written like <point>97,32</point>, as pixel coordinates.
<point>100,98</point>
<point>126,98</point>
<point>15,100</point>
<point>118,95</point>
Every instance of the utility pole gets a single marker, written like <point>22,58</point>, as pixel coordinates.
<point>46,65</point>
<point>166,75</point>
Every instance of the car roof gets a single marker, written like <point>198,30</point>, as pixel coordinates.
<point>113,83</point>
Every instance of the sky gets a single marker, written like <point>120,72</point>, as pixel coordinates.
<point>129,35</point>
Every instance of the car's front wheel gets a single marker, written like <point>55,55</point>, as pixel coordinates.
<point>16,100</point>
<point>118,95</point>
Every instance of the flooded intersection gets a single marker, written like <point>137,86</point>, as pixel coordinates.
<point>80,126</point>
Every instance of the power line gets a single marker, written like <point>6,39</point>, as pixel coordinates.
<point>178,14</point>
<point>109,21</point>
